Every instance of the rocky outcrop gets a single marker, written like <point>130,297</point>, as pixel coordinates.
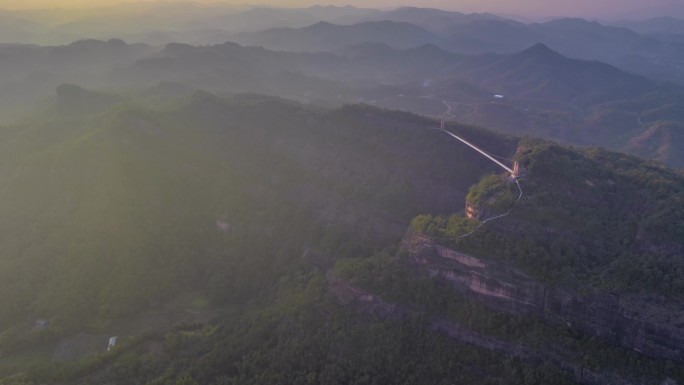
<point>473,212</point>
<point>644,324</point>
<point>365,302</point>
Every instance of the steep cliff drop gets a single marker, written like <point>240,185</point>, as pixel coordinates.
<point>628,320</point>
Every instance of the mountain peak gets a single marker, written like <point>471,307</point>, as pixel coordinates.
<point>322,24</point>
<point>540,50</point>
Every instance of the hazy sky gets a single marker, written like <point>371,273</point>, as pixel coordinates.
<point>523,7</point>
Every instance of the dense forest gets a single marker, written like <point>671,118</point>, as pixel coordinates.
<point>235,208</point>
<point>586,217</point>
<point>109,213</point>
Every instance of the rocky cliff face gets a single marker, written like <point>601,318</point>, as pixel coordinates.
<point>367,303</point>
<point>651,326</point>
<point>473,212</point>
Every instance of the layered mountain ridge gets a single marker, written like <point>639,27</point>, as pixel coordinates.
<point>544,93</point>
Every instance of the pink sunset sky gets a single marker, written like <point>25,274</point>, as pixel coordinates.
<point>595,8</point>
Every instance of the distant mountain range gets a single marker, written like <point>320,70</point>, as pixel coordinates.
<point>188,21</point>
<point>652,48</point>
<point>654,56</point>
<point>422,60</point>
<point>665,25</point>
<point>541,92</point>
<point>326,37</point>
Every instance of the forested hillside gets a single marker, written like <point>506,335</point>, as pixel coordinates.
<point>538,91</point>
<point>246,202</point>
<point>587,217</point>
<point>106,214</point>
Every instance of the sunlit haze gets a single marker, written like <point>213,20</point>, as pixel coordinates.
<point>408,192</point>
<point>596,8</point>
